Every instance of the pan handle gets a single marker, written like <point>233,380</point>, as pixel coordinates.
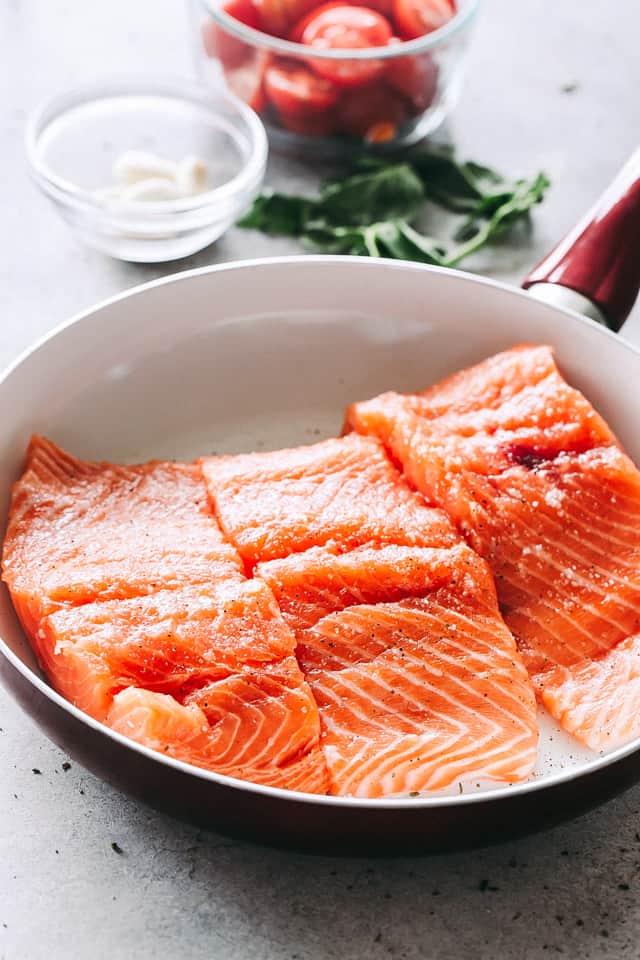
<point>596,268</point>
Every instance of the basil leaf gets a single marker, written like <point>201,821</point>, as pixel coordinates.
<point>370,212</point>
<point>402,242</point>
<point>365,198</point>
<point>525,195</point>
<point>321,235</point>
<point>456,186</point>
<point>394,239</point>
<point>278,214</point>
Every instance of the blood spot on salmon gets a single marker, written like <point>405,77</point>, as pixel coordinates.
<point>529,457</point>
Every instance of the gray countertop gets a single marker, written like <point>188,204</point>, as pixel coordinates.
<point>173,890</point>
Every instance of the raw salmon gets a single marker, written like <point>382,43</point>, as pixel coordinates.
<point>80,532</point>
<point>342,492</point>
<point>141,615</point>
<point>537,483</point>
<point>417,679</point>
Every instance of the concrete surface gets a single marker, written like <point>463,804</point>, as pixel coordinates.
<point>173,891</point>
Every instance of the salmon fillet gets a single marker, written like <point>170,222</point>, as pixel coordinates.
<point>539,486</point>
<point>79,532</point>
<point>140,614</point>
<point>417,680</point>
<point>341,492</point>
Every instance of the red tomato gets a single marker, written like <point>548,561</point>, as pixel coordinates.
<point>278,16</point>
<point>294,89</point>
<point>363,112</point>
<point>416,77</point>
<point>244,11</point>
<point>298,29</point>
<point>347,28</point>
<point>230,50</point>
<point>414,18</point>
<point>313,125</point>
<point>385,7</point>
<point>246,80</point>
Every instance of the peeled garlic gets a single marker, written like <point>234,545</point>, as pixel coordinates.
<point>155,188</point>
<point>146,177</point>
<point>192,176</point>
<point>132,166</point>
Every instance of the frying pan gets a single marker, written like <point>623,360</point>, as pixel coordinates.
<point>267,353</point>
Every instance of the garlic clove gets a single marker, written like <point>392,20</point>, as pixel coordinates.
<point>192,176</point>
<point>134,166</point>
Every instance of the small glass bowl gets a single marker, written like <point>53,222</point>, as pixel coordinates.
<point>73,140</point>
<point>416,82</point>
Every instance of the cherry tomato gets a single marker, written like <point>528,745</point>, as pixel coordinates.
<point>414,18</point>
<point>298,29</point>
<point>347,28</point>
<point>218,42</point>
<point>416,77</point>
<point>244,11</point>
<point>385,7</point>
<point>294,89</point>
<point>369,111</point>
<point>247,79</point>
<point>278,16</point>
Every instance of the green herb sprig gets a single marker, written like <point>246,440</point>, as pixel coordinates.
<point>372,212</point>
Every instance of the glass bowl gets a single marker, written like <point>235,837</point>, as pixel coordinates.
<point>74,139</point>
<point>408,90</point>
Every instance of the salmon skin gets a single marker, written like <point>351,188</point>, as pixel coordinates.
<point>539,486</point>
<point>140,614</point>
<point>417,679</point>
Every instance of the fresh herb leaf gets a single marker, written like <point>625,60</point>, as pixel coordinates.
<point>358,200</point>
<point>456,186</point>
<point>365,198</point>
<point>476,233</point>
<point>322,236</point>
<point>370,213</point>
<point>278,214</point>
<point>412,245</point>
<point>395,239</point>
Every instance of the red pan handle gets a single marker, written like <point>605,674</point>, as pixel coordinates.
<point>599,260</point>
